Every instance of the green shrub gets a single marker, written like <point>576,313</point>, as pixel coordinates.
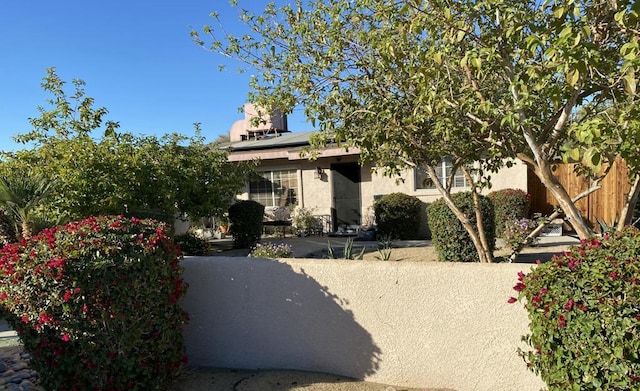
<point>509,204</point>
<point>584,315</point>
<point>96,304</point>
<point>190,244</point>
<point>398,216</point>
<point>246,223</point>
<point>451,240</point>
<point>271,250</point>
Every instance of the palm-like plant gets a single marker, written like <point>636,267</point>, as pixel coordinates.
<point>20,195</point>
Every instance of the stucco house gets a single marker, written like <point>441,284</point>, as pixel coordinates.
<point>335,186</point>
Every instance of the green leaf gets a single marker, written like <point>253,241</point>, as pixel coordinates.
<point>437,57</point>
<point>476,62</point>
<point>558,12</point>
<point>629,80</point>
<point>572,77</point>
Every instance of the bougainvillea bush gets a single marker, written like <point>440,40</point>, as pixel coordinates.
<point>96,303</point>
<point>584,312</point>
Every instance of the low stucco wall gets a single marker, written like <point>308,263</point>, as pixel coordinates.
<point>440,325</point>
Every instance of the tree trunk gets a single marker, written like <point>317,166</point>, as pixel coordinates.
<point>543,171</point>
<point>27,230</point>
<point>485,254</point>
<point>626,215</point>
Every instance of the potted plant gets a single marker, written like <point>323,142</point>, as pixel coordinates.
<point>222,223</point>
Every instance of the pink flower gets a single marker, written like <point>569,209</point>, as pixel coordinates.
<point>512,300</point>
<point>519,287</point>
<point>65,337</point>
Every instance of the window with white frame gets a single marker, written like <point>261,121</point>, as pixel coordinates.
<point>275,188</point>
<point>443,170</point>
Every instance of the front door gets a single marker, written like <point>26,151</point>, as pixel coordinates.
<point>346,194</point>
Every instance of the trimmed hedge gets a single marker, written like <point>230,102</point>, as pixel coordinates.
<point>398,216</point>
<point>96,304</point>
<point>584,315</point>
<point>451,240</point>
<point>509,204</point>
<point>246,223</point>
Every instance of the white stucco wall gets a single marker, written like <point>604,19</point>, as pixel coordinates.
<point>414,324</point>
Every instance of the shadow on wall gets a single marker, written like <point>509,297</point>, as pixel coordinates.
<point>301,324</point>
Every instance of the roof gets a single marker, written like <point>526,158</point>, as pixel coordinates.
<point>286,140</point>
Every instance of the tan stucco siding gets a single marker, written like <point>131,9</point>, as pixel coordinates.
<point>317,193</point>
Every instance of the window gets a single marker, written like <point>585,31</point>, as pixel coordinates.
<point>443,169</point>
<point>275,188</point>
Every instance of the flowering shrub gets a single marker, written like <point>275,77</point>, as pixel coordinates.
<point>271,250</point>
<point>509,204</point>
<point>516,231</point>
<point>96,303</point>
<point>584,315</point>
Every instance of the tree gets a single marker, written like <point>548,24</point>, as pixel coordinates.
<point>412,81</point>
<point>21,193</point>
<point>121,173</point>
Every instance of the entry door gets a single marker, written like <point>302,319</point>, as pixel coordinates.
<point>346,194</point>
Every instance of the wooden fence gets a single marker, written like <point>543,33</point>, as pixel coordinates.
<point>605,204</point>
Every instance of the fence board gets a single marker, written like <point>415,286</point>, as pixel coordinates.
<point>605,204</point>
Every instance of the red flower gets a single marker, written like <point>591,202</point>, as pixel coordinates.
<point>519,287</point>
<point>65,337</point>
<point>512,300</point>
<point>3,296</point>
<point>67,296</point>
<point>44,318</point>
<point>569,305</point>
<point>55,263</point>
<point>562,321</point>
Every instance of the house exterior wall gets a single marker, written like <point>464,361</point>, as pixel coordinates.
<point>317,193</point>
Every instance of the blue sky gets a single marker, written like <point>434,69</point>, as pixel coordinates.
<point>137,60</point>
